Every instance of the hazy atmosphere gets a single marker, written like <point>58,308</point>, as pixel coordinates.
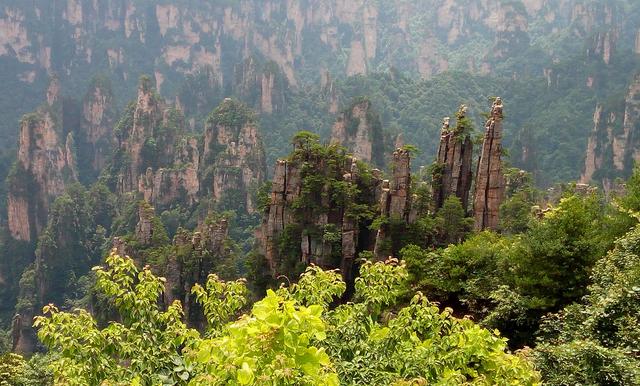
<point>319,192</point>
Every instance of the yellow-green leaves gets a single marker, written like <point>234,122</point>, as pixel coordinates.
<point>245,374</point>
<point>220,300</point>
<point>273,345</point>
<point>139,350</point>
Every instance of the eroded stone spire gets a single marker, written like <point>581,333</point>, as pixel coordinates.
<point>452,173</point>
<point>490,185</point>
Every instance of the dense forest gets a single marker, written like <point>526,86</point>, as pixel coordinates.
<point>254,192</point>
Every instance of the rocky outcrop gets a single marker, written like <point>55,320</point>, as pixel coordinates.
<point>233,157</point>
<point>358,128</point>
<point>261,85</point>
<point>314,213</point>
<point>188,260</point>
<point>329,91</point>
<point>168,167</point>
<point>145,229</point>
<point>395,201</point>
<point>489,188</point>
<point>154,156</point>
<point>98,120</point>
<point>24,339</point>
<point>285,188</point>
<point>178,183</point>
<point>452,172</point>
<point>613,144</point>
<point>44,167</point>
<point>136,132</point>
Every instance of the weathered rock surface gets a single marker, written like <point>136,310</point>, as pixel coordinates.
<point>98,121</point>
<point>395,200</point>
<point>309,226</point>
<point>189,259</point>
<point>158,159</point>
<point>613,145</point>
<point>490,185</point>
<point>192,36</point>
<point>44,167</point>
<point>452,174</point>
<point>233,157</point>
<point>358,128</point>
<point>327,232</point>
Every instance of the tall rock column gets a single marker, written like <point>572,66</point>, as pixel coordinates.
<point>45,166</point>
<point>358,128</point>
<point>98,120</point>
<point>233,157</point>
<point>135,135</point>
<point>452,175</point>
<point>395,200</point>
<point>490,184</point>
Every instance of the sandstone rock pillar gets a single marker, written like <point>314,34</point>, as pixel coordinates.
<point>452,173</point>
<point>490,184</point>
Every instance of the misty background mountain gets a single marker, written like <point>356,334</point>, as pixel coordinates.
<point>297,62</point>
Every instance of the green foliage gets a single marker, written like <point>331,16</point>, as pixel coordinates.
<point>220,300</point>
<point>511,281</point>
<point>317,286</point>
<point>290,337</point>
<point>231,114</point>
<point>141,346</point>
<point>596,341</point>
<point>516,210</point>
<point>454,222</point>
<point>274,345</point>
<point>375,341</point>
<point>18,371</point>
<point>466,272</point>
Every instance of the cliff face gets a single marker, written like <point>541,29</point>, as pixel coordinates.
<point>261,85</point>
<point>358,128</point>
<point>613,143</point>
<point>452,174</point>
<point>489,191</point>
<point>351,35</point>
<point>44,167</point>
<point>98,120</point>
<point>234,159</point>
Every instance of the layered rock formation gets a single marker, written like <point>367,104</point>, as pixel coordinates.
<point>395,201</point>
<point>489,188</point>
<point>452,172</point>
<point>46,164</point>
<point>234,159</point>
<point>186,261</point>
<point>98,120</point>
<point>261,85</point>
<point>316,210</point>
<point>613,144</point>
<point>358,128</point>
<point>168,167</point>
<point>192,35</point>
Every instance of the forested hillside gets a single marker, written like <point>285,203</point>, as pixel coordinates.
<point>364,192</point>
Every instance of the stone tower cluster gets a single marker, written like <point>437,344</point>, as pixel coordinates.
<point>453,171</point>
<point>452,174</point>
